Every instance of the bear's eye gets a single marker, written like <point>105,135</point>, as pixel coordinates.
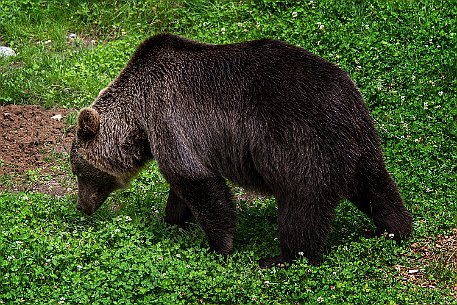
<point>75,173</point>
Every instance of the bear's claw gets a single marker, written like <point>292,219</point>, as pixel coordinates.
<point>278,261</point>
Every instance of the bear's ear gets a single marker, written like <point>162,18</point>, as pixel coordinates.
<point>88,124</point>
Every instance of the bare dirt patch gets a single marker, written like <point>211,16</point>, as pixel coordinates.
<point>431,259</point>
<point>34,146</point>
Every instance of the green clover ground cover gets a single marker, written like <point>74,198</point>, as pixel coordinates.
<point>401,54</point>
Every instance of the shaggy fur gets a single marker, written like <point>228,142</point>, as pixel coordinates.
<point>264,114</point>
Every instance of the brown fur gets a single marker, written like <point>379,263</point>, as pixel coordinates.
<point>88,123</point>
<point>265,114</point>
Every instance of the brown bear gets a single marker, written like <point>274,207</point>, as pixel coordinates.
<point>264,114</point>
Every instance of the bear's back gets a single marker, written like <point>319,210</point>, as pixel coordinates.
<point>265,53</point>
<point>256,81</point>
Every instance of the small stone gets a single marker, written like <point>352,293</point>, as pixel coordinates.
<point>7,115</point>
<point>57,117</point>
<point>6,52</point>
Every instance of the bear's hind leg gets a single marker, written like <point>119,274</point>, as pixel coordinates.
<point>211,205</point>
<point>176,212</point>
<point>376,194</point>
<point>304,225</point>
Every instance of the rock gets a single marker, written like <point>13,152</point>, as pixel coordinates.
<point>7,115</point>
<point>6,52</point>
<point>57,117</point>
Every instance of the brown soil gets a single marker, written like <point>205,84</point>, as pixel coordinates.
<point>430,258</point>
<point>34,145</point>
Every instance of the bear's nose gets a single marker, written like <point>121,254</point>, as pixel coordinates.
<point>78,207</point>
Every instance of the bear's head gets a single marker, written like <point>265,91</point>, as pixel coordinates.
<point>94,184</point>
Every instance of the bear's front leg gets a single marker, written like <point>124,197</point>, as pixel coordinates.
<point>211,205</point>
<point>177,212</point>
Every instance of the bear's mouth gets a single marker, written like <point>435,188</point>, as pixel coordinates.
<point>87,208</point>
<point>85,211</point>
<point>81,209</point>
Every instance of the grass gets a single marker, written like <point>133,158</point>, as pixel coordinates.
<point>401,54</point>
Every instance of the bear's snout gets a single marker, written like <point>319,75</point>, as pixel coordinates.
<point>81,209</point>
<point>88,210</point>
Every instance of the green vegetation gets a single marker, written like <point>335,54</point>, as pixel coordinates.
<point>401,54</point>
